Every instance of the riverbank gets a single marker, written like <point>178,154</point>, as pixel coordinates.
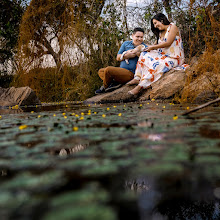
<point>199,83</point>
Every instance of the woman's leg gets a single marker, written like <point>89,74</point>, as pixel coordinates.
<point>136,90</point>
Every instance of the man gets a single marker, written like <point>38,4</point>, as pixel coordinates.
<point>114,77</point>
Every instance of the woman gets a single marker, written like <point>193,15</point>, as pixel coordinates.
<point>159,58</point>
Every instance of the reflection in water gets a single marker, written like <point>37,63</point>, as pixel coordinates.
<point>64,152</point>
<point>137,186</point>
<point>152,137</point>
<point>4,111</point>
<point>208,131</point>
<point>164,200</point>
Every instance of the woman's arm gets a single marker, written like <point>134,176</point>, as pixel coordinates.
<point>171,37</point>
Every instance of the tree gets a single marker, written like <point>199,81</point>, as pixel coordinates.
<point>11,12</point>
<point>46,22</point>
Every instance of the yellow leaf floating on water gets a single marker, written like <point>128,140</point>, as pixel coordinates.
<point>114,106</point>
<point>39,116</point>
<point>32,112</point>
<point>108,109</point>
<point>119,114</point>
<point>175,117</point>
<point>152,100</point>
<point>23,127</point>
<point>0,117</point>
<point>164,106</point>
<point>65,116</point>
<point>187,108</point>
<point>54,115</point>
<point>64,113</point>
<point>95,113</point>
<point>81,118</point>
<point>75,128</point>
<point>103,115</point>
<point>82,113</point>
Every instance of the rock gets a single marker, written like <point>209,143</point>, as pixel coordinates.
<point>166,87</point>
<point>18,96</point>
<point>192,85</point>
<point>118,95</point>
<point>203,88</point>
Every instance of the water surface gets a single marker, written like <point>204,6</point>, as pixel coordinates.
<point>118,161</point>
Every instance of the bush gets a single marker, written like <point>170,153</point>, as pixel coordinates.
<point>5,80</point>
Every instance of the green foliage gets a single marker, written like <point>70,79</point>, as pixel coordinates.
<point>10,16</point>
<point>198,22</point>
<point>5,80</point>
<point>11,12</point>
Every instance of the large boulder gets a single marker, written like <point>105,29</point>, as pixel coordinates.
<point>166,87</point>
<point>193,85</point>
<point>169,85</point>
<point>18,96</point>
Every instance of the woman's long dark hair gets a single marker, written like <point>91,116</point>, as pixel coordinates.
<point>163,19</point>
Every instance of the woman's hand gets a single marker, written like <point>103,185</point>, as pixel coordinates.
<point>149,48</point>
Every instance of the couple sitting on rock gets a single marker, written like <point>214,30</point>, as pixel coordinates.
<point>143,68</point>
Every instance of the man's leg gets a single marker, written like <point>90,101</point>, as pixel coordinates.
<point>119,75</point>
<point>101,73</point>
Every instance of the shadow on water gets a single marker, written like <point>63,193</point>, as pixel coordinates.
<point>133,161</point>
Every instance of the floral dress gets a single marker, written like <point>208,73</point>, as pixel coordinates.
<point>153,64</point>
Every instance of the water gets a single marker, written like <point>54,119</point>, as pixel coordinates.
<point>134,161</point>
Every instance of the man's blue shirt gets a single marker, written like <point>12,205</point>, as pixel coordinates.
<point>128,45</point>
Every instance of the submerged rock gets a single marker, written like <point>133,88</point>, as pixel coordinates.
<point>18,96</point>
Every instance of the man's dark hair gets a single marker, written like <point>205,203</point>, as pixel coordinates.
<point>138,29</point>
<point>163,19</point>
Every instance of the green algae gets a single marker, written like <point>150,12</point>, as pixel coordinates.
<point>50,162</point>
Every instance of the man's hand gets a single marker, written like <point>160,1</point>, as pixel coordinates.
<point>130,54</point>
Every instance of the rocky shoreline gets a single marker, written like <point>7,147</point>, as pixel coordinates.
<point>185,86</point>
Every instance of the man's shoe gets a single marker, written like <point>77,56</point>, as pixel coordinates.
<point>113,86</point>
<point>100,90</point>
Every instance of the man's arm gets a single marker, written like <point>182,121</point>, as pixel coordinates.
<point>129,54</point>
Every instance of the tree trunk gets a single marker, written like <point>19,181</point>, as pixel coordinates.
<point>166,4</point>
